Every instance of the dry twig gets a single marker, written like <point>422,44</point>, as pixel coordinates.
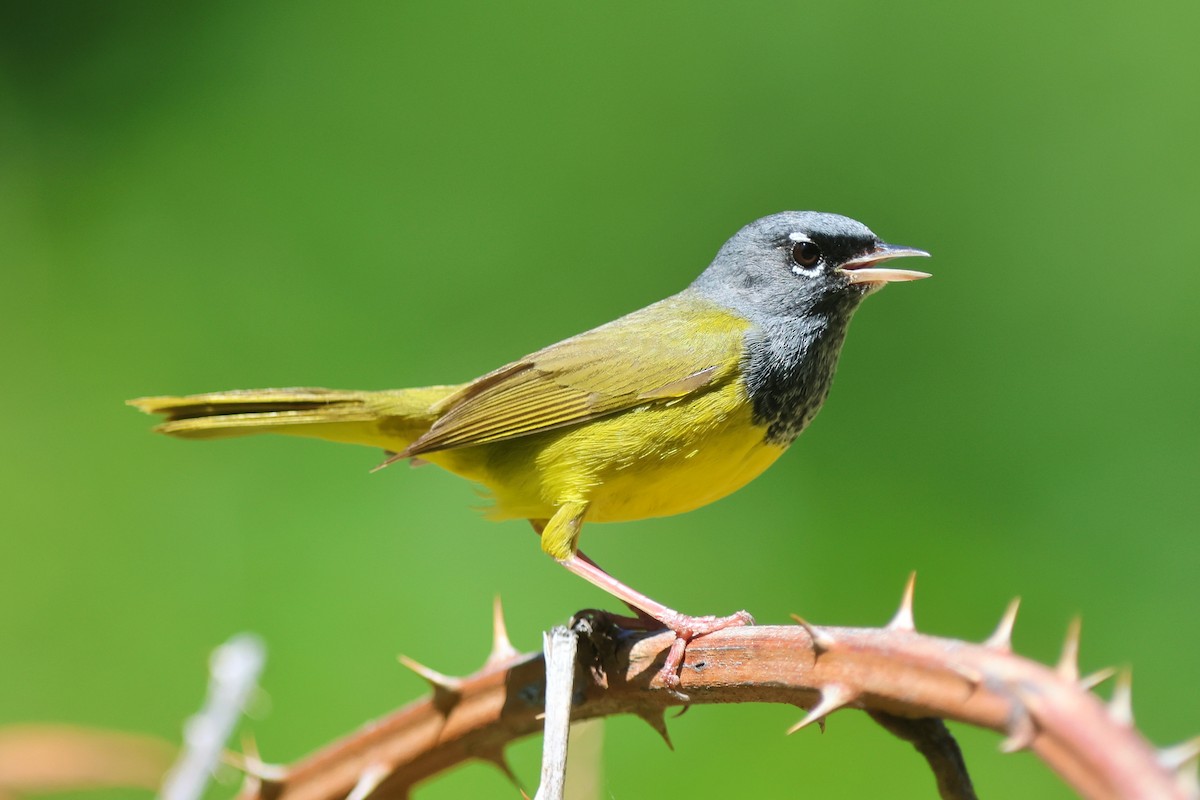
<point>559,650</point>
<point>233,676</point>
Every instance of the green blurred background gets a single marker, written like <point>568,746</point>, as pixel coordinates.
<point>368,195</point>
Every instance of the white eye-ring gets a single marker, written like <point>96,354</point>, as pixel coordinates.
<point>806,255</point>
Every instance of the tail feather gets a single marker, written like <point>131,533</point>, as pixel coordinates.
<point>389,419</point>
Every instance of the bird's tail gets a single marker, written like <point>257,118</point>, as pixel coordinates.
<point>389,419</point>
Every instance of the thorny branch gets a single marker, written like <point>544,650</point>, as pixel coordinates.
<point>933,741</point>
<point>895,673</point>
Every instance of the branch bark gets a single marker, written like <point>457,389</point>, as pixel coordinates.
<point>893,671</point>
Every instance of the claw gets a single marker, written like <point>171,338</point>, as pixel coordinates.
<point>686,629</point>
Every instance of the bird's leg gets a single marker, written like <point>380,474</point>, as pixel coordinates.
<point>642,619</point>
<point>683,626</point>
<point>559,538</point>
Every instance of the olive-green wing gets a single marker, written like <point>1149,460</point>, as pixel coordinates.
<point>658,354</point>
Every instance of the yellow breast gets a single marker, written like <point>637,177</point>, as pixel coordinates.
<point>651,461</point>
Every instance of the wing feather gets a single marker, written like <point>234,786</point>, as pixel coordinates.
<point>660,353</point>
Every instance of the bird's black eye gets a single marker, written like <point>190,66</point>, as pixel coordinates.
<point>806,254</point>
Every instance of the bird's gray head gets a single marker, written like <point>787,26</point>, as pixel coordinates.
<point>798,276</point>
<point>797,263</point>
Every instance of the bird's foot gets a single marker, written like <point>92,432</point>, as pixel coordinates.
<point>653,614</point>
<point>686,629</point>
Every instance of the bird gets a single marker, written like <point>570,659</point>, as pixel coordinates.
<point>656,413</point>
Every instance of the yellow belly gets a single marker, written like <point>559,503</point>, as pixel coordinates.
<point>652,461</point>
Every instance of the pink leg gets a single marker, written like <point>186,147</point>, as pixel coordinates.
<point>642,617</point>
<point>684,627</point>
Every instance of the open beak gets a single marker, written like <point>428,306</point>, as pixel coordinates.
<point>866,269</point>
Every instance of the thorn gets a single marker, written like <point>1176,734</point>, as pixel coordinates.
<point>1068,662</point>
<point>251,764</point>
<point>502,647</point>
<point>1001,639</point>
<point>251,786</point>
<point>658,721</point>
<point>497,758</point>
<point>1189,784</point>
<point>903,621</point>
<point>250,746</point>
<point>821,640</point>
<point>1098,677</point>
<point>834,696</point>
<point>1120,707</point>
<point>441,682</point>
<point>1181,755</point>
<point>1182,759</point>
<point>1021,729</point>
<point>446,689</point>
<point>969,674</point>
<point>368,782</point>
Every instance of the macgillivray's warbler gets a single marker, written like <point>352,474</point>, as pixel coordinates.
<point>659,412</point>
